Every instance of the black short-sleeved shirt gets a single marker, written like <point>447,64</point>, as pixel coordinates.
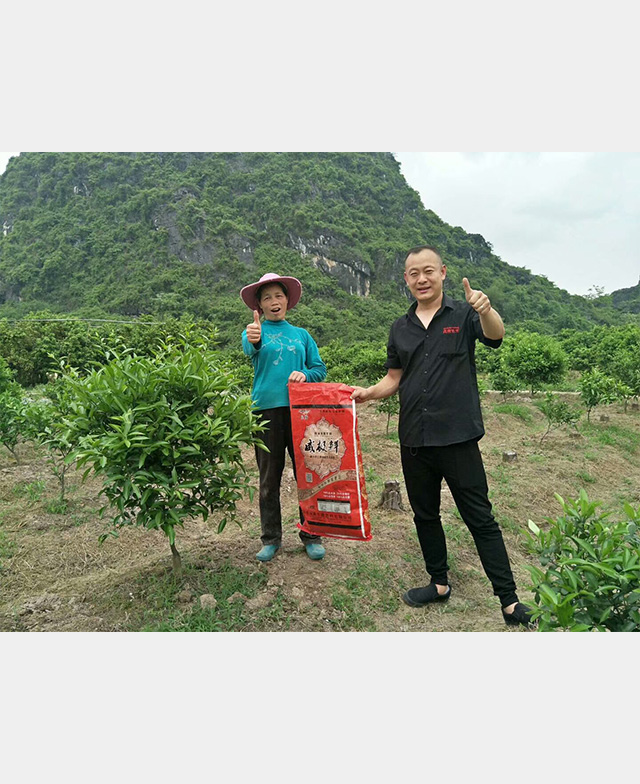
<point>439,401</point>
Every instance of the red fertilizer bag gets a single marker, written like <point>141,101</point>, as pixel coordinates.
<point>330,476</point>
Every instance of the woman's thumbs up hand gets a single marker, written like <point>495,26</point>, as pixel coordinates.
<point>254,330</point>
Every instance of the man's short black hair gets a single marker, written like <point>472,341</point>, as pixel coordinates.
<point>277,283</point>
<point>420,248</point>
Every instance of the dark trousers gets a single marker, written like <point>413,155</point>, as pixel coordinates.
<point>461,467</point>
<point>278,438</point>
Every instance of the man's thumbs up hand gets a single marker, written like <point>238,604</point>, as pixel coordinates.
<point>254,330</point>
<point>476,298</point>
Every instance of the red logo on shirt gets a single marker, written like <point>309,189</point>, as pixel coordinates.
<point>451,330</point>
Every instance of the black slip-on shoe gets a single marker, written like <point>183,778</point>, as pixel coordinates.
<point>521,615</point>
<point>420,597</point>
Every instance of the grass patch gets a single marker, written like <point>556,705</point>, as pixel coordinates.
<point>161,611</point>
<point>628,491</point>
<point>32,491</point>
<point>515,410</point>
<point>585,477</point>
<point>568,384</point>
<point>412,557</point>
<point>79,518</point>
<point>501,479</point>
<point>457,533</point>
<point>371,587</point>
<point>57,506</point>
<point>7,545</point>
<point>626,441</point>
<point>507,523</point>
<point>372,478</point>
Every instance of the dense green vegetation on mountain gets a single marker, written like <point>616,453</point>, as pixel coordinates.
<point>627,299</point>
<point>178,234</point>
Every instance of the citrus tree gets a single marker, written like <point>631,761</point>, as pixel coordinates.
<point>165,433</point>
<point>358,363</point>
<point>536,359</point>
<point>558,413</point>
<point>597,389</point>
<point>626,370</point>
<point>45,421</point>
<point>389,406</point>
<point>503,380</point>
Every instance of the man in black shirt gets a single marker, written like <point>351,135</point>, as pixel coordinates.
<point>430,363</point>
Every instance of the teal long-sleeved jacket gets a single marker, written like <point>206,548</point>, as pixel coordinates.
<point>283,348</point>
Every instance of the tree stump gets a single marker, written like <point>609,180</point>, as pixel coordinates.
<point>391,498</point>
<point>509,457</point>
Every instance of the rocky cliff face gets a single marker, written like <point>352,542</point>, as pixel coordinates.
<point>330,255</point>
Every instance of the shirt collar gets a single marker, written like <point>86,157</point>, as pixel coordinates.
<point>447,302</point>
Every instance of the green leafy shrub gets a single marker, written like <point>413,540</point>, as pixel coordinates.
<point>579,346</point>
<point>165,433</point>
<point>356,364</point>
<point>482,385</point>
<point>504,380</point>
<point>558,413</point>
<point>590,575</point>
<point>488,360</point>
<point>35,346</point>
<point>10,421</point>
<point>597,389</point>
<point>46,422</point>
<point>536,359</point>
<point>11,409</point>
<point>240,367</point>
<point>7,375</point>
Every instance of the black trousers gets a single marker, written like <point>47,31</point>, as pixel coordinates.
<point>278,438</point>
<point>461,467</point>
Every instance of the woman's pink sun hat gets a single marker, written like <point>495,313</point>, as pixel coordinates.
<point>292,285</point>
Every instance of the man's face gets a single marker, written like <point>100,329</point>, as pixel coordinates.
<point>424,273</point>
<point>273,302</point>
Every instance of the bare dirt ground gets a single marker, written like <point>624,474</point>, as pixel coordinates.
<point>55,576</point>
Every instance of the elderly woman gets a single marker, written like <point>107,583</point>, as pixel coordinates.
<point>281,353</point>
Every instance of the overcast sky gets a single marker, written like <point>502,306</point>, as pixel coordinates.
<point>572,216</point>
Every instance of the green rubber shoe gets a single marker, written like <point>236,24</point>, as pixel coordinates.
<point>315,551</point>
<point>267,552</point>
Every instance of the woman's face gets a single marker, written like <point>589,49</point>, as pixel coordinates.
<point>273,302</point>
